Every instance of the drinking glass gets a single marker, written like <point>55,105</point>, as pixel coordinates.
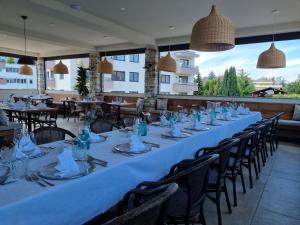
<point>19,168</point>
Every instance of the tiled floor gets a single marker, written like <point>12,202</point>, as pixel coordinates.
<point>274,199</point>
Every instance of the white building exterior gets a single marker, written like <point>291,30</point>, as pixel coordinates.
<point>10,77</point>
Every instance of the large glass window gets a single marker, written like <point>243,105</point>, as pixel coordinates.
<point>133,76</point>
<point>65,82</point>
<point>118,76</point>
<point>234,72</point>
<point>130,71</point>
<point>10,77</point>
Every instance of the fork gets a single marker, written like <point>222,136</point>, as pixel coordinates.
<point>97,161</point>
<point>31,179</point>
<point>35,176</point>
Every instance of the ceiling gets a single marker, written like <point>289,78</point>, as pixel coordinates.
<point>56,28</point>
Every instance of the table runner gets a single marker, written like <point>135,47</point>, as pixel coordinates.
<point>77,201</point>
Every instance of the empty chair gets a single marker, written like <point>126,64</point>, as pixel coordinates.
<point>46,135</point>
<point>73,110</point>
<point>235,161</point>
<point>107,112</point>
<point>149,212</point>
<point>186,204</point>
<point>102,126</point>
<point>127,121</point>
<point>217,173</point>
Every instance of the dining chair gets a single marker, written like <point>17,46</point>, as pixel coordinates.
<point>127,121</point>
<point>237,155</point>
<point>73,110</point>
<point>186,205</point>
<point>102,126</point>
<point>45,119</point>
<point>107,112</point>
<point>217,173</point>
<point>151,212</point>
<point>46,135</point>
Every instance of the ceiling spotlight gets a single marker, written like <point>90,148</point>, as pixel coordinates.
<point>52,24</point>
<point>75,6</point>
<point>171,27</point>
<point>123,9</point>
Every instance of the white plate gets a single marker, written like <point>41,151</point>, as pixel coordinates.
<point>183,135</point>
<point>125,148</point>
<point>198,129</point>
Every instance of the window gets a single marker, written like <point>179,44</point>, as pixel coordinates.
<point>118,76</point>
<point>133,76</point>
<point>164,79</point>
<point>184,62</point>
<point>183,79</point>
<point>60,81</point>
<point>134,58</point>
<point>30,81</point>
<point>119,57</point>
<point>12,70</point>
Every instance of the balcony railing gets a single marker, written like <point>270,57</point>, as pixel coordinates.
<point>186,70</point>
<point>184,87</point>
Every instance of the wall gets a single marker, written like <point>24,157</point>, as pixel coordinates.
<point>4,93</point>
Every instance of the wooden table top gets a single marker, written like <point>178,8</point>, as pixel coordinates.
<point>30,110</point>
<point>121,103</point>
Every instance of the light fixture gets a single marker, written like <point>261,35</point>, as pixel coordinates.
<point>105,66</point>
<point>272,58</point>
<point>213,33</point>
<point>167,63</point>
<point>60,68</point>
<point>25,70</point>
<point>25,60</point>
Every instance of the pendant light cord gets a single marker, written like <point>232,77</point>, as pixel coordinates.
<point>24,32</point>
<point>274,12</point>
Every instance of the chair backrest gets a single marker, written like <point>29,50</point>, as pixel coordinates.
<point>150,212</point>
<point>127,121</point>
<point>71,105</point>
<point>101,126</point>
<point>106,108</point>
<point>140,105</point>
<point>46,135</point>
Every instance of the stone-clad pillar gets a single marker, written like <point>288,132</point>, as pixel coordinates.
<point>95,87</point>
<point>41,82</point>
<point>151,78</point>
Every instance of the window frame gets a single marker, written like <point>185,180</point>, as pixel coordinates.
<point>117,58</point>
<point>134,80</point>
<point>134,58</point>
<point>165,76</point>
<point>117,72</point>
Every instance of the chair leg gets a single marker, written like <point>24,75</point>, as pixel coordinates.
<point>234,190</point>
<point>258,160</point>
<point>250,172</point>
<point>218,207</point>
<point>227,197</point>
<point>202,219</point>
<point>242,178</point>
<point>271,147</point>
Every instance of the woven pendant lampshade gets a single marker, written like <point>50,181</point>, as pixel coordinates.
<point>60,68</point>
<point>167,63</point>
<point>25,70</point>
<point>105,66</point>
<point>213,33</point>
<point>271,59</point>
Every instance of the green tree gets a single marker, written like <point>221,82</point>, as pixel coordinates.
<point>212,75</point>
<point>245,84</point>
<point>293,87</point>
<point>229,84</point>
<point>199,83</point>
<point>81,85</point>
<point>212,87</point>
<point>10,60</point>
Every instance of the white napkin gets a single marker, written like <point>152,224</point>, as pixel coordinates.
<point>26,145</point>
<point>197,124</point>
<point>233,112</point>
<point>19,105</point>
<point>41,106</point>
<point>94,138</point>
<point>226,115</point>
<point>163,121</point>
<point>125,101</point>
<point>175,131</point>
<point>136,144</point>
<point>66,164</point>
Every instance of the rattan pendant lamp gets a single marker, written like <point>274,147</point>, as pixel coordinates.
<point>60,68</point>
<point>272,58</point>
<point>167,63</point>
<point>25,60</point>
<point>104,66</point>
<point>213,33</point>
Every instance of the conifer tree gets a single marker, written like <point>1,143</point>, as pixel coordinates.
<point>81,85</point>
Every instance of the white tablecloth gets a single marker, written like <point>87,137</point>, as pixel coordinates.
<point>77,201</point>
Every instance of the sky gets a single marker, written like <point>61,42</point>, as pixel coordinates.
<point>245,57</point>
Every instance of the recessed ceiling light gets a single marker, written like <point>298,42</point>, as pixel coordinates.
<point>105,36</point>
<point>75,6</point>
<point>171,27</point>
<point>52,24</point>
<point>275,11</point>
<point>123,9</point>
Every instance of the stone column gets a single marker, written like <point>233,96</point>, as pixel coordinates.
<point>95,87</point>
<point>151,78</point>
<point>41,81</point>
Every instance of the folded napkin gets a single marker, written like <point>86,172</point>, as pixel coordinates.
<point>41,106</point>
<point>197,123</point>
<point>94,138</point>
<point>225,115</point>
<point>26,145</point>
<point>66,165</point>
<point>19,105</point>
<point>135,143</point>
<point>163,121</point>
<point>125,101</point>
<point>233,112</point>
<point>175,131</point>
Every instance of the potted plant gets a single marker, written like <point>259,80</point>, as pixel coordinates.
<point>81,85</point>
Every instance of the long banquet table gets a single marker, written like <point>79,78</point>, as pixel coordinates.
<point>77,201</point>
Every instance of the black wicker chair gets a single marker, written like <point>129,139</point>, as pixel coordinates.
<point>46,135</point>
<point>186,206</point>
<point>151,212</point>
<point>107,112</point>
<point>127,121</point>
<point>73,110</point>
<point>102,126</point>
<point>235,161</point>
<point>217,173</point>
